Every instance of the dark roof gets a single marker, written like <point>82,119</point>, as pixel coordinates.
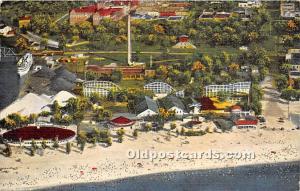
<point>45,72</point>
<point>295,59</point>
<point>147,103</point>
<point>60,84</point>
<point>171,101</point>
<point>33,132</point>
<point>64,73</point>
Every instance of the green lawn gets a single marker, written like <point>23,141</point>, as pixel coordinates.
<point>132,84</point>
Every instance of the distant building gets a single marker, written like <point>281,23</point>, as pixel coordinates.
<point>148,107</point>
<point>250,4</point>
<point>246,123</point>
<point>31,37</point>
<point>24,21</point>
<point>293,57</point>
<point>161,89</point>
<point>102,88</point>
<point>214,15</point>
<point>7,31</point>
<point>288,10</point>
<point>128,72</point>
<point>96,12</point>
<point>34,104</point>
<point>235,89</point>
<point>184,43</point>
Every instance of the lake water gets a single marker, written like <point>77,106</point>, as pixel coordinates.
<point>9,81</point>
<point>272,177</point>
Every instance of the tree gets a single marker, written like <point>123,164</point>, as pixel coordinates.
<point>44,145</point>
<point>68,147</point>
<point>16,117</point>
<point>135,133</point>
<point>95,98</point>
<point>55,144</point>
<point>32,151</point>
<point>109,141</point>
<point>8,150</point>
<point>82,146</point>
<point>148,127</point>
<point>182,132</point>
<point>173,126</point>
<point>32,118</point>
<point>290,94</point>
<point>281,82</point>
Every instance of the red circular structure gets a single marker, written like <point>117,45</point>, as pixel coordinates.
<point>38,133</point>
<point>121,122</point>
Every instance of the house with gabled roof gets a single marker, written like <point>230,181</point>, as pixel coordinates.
<point>173,103</point>
<point>148,107</point>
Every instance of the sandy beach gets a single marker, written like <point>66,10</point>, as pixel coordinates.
<point>100,163</point>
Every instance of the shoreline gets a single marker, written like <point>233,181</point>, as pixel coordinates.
<point>162,173</point>
<point>56,168</point>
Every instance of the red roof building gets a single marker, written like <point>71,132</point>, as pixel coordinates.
<point>243,123</point>
<point>207,104</point>
<point>121,122</point>
<point>236,108</point>
<point>127,71</point>
<point>167,13</point>
<point>37,133</point>
<point>183,38</point>
<point>96,12</point>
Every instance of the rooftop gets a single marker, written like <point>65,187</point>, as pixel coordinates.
<point>38,133</point>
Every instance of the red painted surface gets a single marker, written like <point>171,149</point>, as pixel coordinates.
<point>122,121</point>
<point>183,38</point>
<point>236,107</point>
<point>32,132</point>
<point>125,2</point>
<point>167,14</point>
<point>207,104</point>
<point>109,70</point>
<point>246,122</point>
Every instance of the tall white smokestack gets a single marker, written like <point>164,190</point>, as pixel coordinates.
<point>129,40</point>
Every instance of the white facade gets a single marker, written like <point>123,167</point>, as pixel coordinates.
<point>39,142</point>
<point>146,113</point>
<point>100,87</point>
<point>178,111</point>
<point>232,89</point>
<point>161,89</point>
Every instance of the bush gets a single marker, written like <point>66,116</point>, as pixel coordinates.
<point>68,147</point>
<point>109,141</point>
<point>173,126</point>
<point>194,133</point>
<point>135,133</point>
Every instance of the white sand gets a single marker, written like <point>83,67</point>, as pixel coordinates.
<point>57,168</point>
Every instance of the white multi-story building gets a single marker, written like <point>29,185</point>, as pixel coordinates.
<point>239,88</point>
<point>99,87</point>
<point>162,89</point>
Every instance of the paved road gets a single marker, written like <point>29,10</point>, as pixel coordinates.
<point>125,52</point>
<point>273,107</point>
